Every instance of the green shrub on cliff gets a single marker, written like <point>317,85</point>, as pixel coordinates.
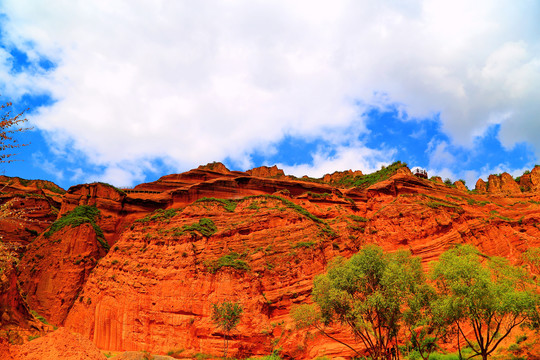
<point>80,215</point>
<point>364,181</point>
<point>205,227</point>
<point>232,260</point>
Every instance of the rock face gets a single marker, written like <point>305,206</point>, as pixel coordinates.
<point>481,186</point>
<point>503,183</point>
<point>27,208</point>
<point>530,181</point>
<point>54,270</point>
<point>460,186</point>
<point>16,320</point>
<point>187,241</point>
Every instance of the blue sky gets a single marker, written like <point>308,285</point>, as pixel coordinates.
<point>128,91</point>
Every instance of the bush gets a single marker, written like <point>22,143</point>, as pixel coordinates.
<point>80,215</point>
<point>230,260</point>
<point>205,226</point>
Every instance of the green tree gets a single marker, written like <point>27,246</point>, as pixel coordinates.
<point>487,294</point>
<point>9,126</point>
<point>425,322</point>
<point>226,316</point>
<point>368,294</point>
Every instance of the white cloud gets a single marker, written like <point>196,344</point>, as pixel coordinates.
<point>352,157</point>
<point>200,81</point>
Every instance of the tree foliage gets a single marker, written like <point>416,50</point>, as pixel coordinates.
<point>9,126</point>
<point>369,294</point>
<point>226,316</point>
<point>487,294</point>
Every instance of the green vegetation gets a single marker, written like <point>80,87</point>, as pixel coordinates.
<point>205,227</point>
<point>489,295</point>
<point>226,316</point>
<point>358,218</point>
<point>319,196</point>
<point>203,356</point>
<point>303,244</point>
<point>476,202</point>
<point>159,215</point>
<point>289,204</point>
<point>39,317</point>
<point>175,352</point>
<point>367,294</point>
<point>376,294</point>
<point>232,260</point>
<point>228,205</point>
<point>82,214</point>
<point>436,203</point>
<point>364,181</point>
<point>53,188</point>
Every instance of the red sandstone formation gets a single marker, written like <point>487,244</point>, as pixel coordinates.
<point>503,183</point>
<point>216,167</point>
<point>460,186</point>
<point>267,172</point>
<point>336,176</point>
<point>530,181</point>
<point>481,186</point>
<point>54,270</point>
<point>27,208</point>
<point>16,321</point>
<point>154,289</point>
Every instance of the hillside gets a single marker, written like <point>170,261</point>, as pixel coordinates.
<point>139,269</point>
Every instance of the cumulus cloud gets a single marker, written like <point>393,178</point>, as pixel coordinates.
<point>351,157</point>
<point>192,82</point>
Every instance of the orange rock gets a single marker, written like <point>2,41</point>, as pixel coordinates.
<point>336,176</point>
<point>460,185</point>
<point>215,166</point>
<point>481,186</point>
<point>531,181</point>
<point>266,171</point>
<point>503,183</point>
<point>54,270</point>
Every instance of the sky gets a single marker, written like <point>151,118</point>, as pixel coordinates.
<point>125,92</point>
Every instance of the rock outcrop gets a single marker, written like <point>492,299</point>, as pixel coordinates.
<point>55,268</point>
<point>503,183</point>
<point>481,186</point>
<point>530,181</point>
<point>336,176</point>
<point>267,172</point>
<point>27,208</point>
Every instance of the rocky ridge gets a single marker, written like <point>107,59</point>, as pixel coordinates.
<point>173,247</point>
